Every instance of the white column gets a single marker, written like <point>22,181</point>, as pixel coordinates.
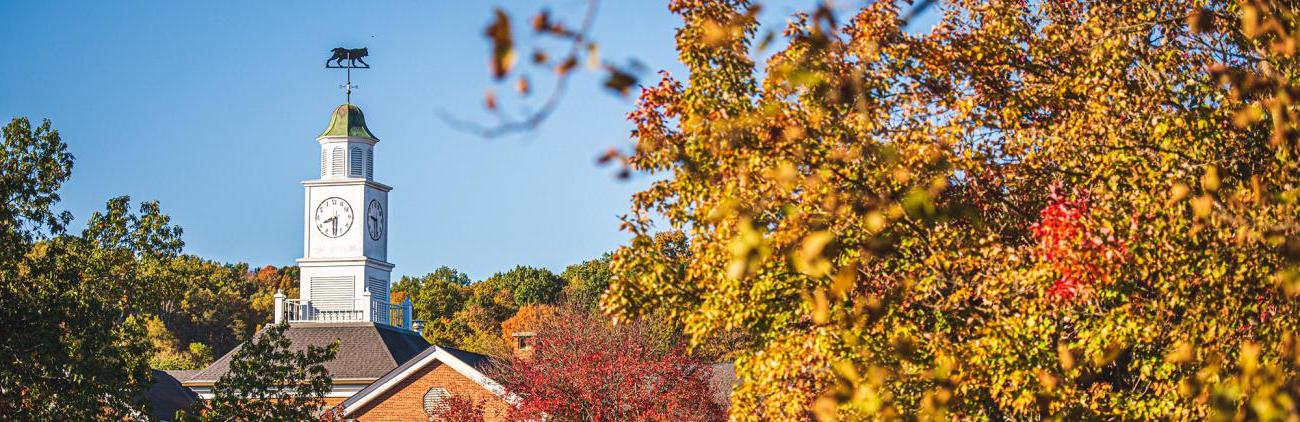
<point>365,306</point>
<point>279,307</point>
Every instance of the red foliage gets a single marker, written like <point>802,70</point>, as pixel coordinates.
<point>333,414</point>
<point>586,369</point>
<point>459,409</point>
<point>1077,248</point>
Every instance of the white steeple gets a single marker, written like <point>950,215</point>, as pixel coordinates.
<point>344,270</point>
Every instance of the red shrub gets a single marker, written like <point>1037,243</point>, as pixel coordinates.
<point>583,368</point>
<point>459,409</point>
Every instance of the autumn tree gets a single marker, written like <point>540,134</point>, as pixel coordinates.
<point>216,305</point>
<point>527,320</point>
<point>584,368</point>
<point>469,315</point>
<point>1083,209</point>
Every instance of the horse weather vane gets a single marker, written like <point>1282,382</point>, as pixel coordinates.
<point>352,56</point>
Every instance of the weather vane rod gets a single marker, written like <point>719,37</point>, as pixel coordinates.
<point>353,56</point>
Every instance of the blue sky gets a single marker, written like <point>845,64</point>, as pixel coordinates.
<point>212,108</point>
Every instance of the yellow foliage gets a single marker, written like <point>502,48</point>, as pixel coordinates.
<point>1080,210</point>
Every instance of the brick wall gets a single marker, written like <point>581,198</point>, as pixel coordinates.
<point>405,401</point>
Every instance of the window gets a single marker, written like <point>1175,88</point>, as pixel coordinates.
<point>370,164</point>
<point>337,157</point>
<point>435,400</point>
<point>355,156</point>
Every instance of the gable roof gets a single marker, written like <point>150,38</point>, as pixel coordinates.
<point>366,350</point>
<point>469,364</point>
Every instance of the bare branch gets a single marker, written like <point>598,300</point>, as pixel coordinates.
<point>508,125</point>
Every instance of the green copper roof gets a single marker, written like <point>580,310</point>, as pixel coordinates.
<point>347,120</point>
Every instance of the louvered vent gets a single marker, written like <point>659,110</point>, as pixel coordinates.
<point>435,400</point>
<point>323,166</point>
<point>356,162</point>
<point>370,164</point>
<point>332,293</point>
<point>337,167</point>
<point>378,289</point>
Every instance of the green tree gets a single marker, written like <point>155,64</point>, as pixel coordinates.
<point>585,282</point>
<point>269,380</point>
<point>448,331</point>
<point>436,295</point>
<point>76,299</point>
<point>36,163</point>
<point>529,285</point>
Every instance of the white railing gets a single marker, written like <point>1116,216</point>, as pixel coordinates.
<point>297,310</point>
<point>366,309</point>
<point>395,315</point>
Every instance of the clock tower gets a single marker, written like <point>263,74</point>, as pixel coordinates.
<point>344,269</point>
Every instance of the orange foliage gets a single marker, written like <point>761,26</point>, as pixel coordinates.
<point>528,318</point>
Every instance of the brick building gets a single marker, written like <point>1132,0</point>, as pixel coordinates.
<point>421,386</point>
<point>381,373</point>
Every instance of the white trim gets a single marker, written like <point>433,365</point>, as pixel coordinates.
<point>207,392</point>
<point>340,139</point>
<point>350,390</point>
<point>345,261</point>
<point>348,181</point>
<point>440,355</point>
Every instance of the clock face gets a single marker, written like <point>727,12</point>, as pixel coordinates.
<point>375,220</point>
<point>333,217</point>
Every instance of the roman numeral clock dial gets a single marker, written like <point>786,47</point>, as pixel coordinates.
<point>333,217</point>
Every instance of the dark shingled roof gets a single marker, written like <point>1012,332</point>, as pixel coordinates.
<point>167,396</point>
<point>182,375</point>
<point>479,362</point>
<point>366,350</point>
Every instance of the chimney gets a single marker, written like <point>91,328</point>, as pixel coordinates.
<point>417,326</point>
<point>523,345</point>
